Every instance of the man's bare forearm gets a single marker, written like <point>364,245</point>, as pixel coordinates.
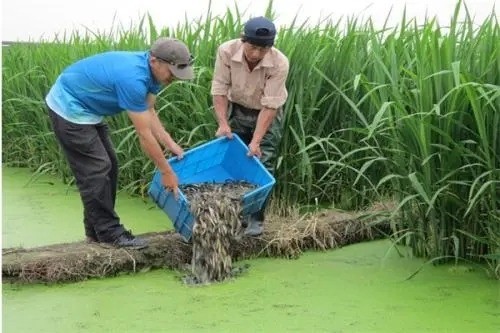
<point>159,131</point>
<point>220,108</point>
<point>264,121</point>
<point>154,151</point>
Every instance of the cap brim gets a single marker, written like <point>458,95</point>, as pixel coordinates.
<point>260,41</point>
<point>187,73</point>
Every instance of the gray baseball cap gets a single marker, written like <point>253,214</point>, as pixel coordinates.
<point>176,54</point>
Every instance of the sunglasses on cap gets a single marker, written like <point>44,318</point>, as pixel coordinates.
<point>179,66</point>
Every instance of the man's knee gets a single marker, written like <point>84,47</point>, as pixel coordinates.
<point>102,166</point>
<point>94,170</point>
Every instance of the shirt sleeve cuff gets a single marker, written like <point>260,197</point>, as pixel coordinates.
<point>272,102</point>
<point>219,90</point>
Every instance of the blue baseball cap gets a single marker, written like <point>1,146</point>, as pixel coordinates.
<point>260,31</point>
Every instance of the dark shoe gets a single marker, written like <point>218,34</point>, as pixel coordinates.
<point>126,239</point>
<point>254,228</point>
<point>90,240</point>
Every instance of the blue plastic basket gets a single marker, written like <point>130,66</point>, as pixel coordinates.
<point>216,161</point>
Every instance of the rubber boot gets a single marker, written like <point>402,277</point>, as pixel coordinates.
<point>254,228</point>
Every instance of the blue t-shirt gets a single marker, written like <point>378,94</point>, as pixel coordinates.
<point>103,85</point>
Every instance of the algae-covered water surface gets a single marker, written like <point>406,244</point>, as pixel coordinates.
<point>359,288</point>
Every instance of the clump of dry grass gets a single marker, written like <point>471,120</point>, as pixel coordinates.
<point>284,236</point>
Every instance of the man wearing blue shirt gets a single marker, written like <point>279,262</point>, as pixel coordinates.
<point>105,85</point>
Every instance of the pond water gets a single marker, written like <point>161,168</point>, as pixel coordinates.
<point>358,288</point>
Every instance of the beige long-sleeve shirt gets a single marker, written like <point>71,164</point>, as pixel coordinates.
<point>264,86</point>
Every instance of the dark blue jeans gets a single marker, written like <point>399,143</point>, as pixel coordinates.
<point>92,159</point>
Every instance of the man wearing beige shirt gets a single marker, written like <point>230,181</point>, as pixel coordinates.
<point>249,92</point>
